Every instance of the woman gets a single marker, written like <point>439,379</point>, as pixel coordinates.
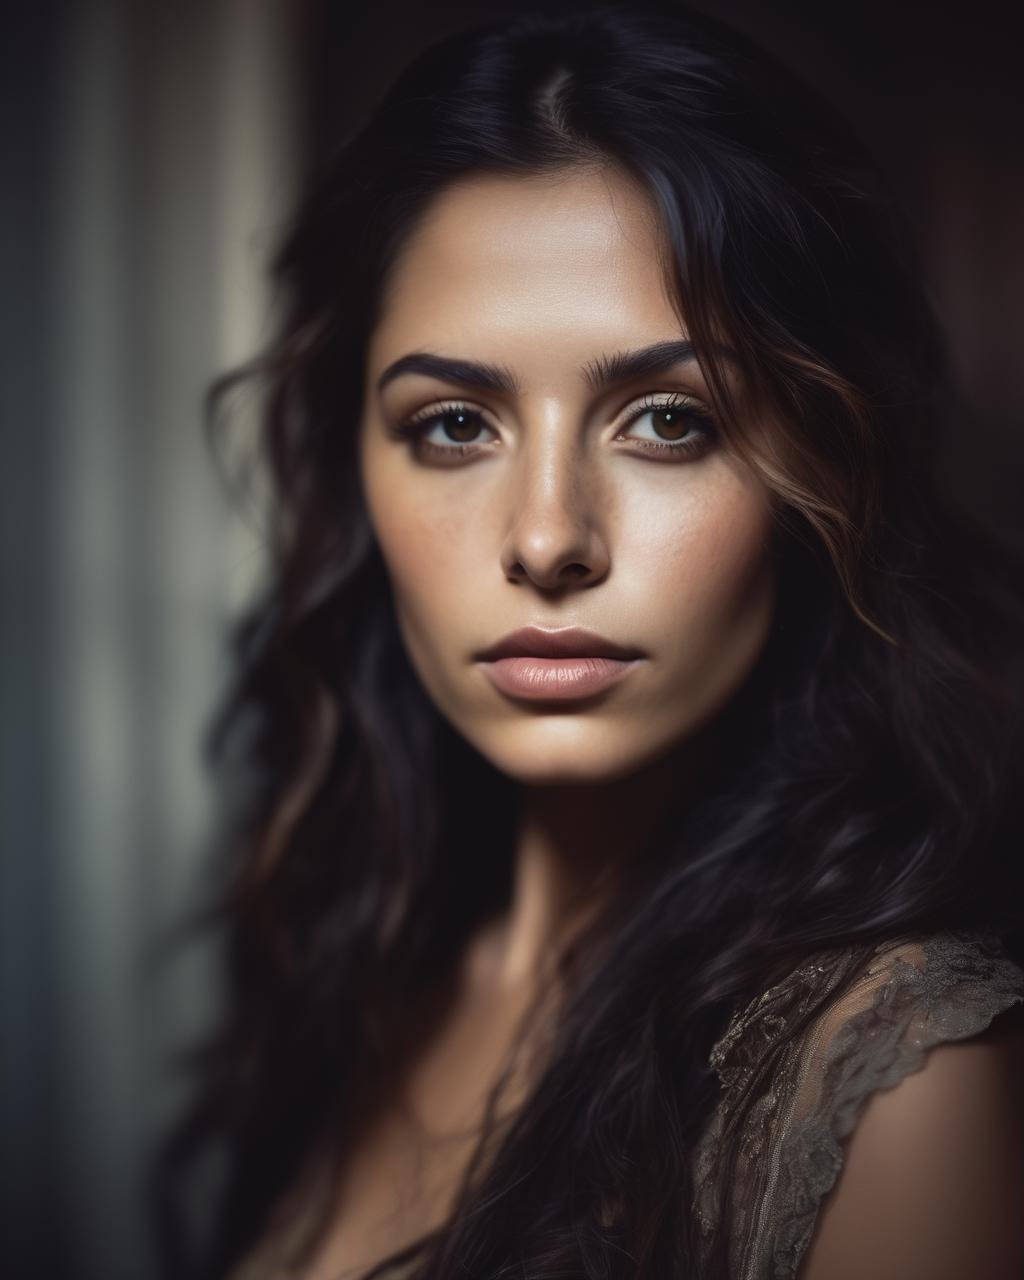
<point>625,882</point>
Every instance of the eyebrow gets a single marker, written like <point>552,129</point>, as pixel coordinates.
<point>621,366</point>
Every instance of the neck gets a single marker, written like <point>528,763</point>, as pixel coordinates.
<point>573,843</point>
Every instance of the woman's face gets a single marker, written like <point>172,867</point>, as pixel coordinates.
<point>556,487</point>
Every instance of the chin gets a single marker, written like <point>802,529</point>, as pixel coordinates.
<point>550,753</point>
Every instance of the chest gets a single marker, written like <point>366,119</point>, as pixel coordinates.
<point>404,1166</point>
<point>398,1185</point>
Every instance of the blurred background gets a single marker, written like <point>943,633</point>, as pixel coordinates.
<point>151,154</point>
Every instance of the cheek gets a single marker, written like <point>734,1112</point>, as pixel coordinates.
<point>702,573</point>
<point>724,558</point>
<point>428,549</point>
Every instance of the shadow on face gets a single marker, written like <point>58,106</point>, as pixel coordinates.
<point>523,465</point>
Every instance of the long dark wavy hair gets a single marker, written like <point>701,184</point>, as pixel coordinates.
<point>870,762</point>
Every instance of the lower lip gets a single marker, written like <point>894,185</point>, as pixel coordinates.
<point>561,679</point>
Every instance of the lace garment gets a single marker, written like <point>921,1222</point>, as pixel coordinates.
<point>912,995</point>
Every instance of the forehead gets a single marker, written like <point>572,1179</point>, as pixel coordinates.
<point>538,263</point>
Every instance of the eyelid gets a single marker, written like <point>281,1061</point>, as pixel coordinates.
<point>648,401</point>
<point>653,400</point>
<point>438,407</point>
<point>415,427</point>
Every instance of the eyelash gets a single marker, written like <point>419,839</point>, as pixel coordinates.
<point>415,427</point>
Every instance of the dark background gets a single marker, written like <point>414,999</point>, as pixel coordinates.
<point>150,155</point>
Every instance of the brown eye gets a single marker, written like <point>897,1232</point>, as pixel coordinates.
<point>678,425</point>
<point>443,432</point>
<point>456,424</point>
<point>671,424</point>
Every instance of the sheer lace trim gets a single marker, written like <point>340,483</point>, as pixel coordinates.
<point>911,996</point>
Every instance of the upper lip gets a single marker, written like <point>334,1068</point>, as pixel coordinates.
<point>567,642</point>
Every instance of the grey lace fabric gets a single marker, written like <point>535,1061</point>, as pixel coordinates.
<point>911,996</point>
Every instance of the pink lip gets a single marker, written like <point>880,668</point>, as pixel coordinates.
<point>547,679</point>
<point>565,642</point>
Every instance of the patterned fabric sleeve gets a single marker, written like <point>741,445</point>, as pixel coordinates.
<point>914,994</point>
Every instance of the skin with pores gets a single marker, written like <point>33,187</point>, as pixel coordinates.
<point>559,512</point>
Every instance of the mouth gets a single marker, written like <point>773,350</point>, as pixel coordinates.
<point>558,679</point>
<point>560,665</point>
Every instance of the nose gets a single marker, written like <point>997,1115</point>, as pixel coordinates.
<point>557,535</point>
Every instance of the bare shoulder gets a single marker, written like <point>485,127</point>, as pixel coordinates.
<point>932,1184</point>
